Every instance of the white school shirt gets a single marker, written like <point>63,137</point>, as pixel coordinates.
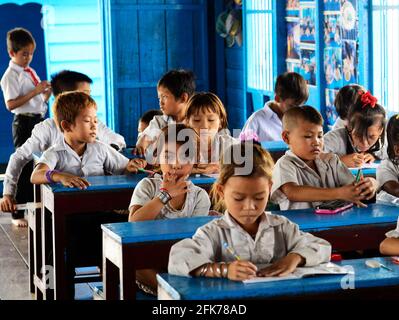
<point>336,141</point>
<point>44,135</point>
<point>155,126</point>
<point>393,233</point>
<point>197,200</point>
<point>221,142</point>
<point>290,168</point>
<point>339,123</point>
<point>97,160</point>
<point>276,237</point>
<point>387,171</point>
<point>265,123</point>
<point>15,83</point>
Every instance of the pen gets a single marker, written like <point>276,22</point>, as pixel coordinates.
<point>231,251</point>
<point>359,175</point>
<point>146,171</point>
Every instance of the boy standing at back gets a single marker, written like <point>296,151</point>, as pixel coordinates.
<point>46,134</point>
<point>25,96</point>
<point>290,90</point>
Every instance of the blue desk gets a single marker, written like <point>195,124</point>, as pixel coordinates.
<point>131,246</point>
<point>106,193</point>
<point>366,281</point>
<point>276,148</point>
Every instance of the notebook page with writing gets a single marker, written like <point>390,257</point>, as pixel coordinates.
<point>322,269</point>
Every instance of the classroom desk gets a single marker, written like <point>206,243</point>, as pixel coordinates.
<point>276,148</point>
<point>131,246</point>
<point>106,193</point>
<point>368,282</point>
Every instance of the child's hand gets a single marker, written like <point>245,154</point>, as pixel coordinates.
<point>207,168</point>
<point>368,158</point>
<point>353,160</point>
<point>42,87</point>
<point>8,204</point>
<point>69,180</point>
<point>241,270</point>
<point>135,164</point>
<point>175,187</point>
<point>367,187</point>
<point>283,266</point>
<point>138,151</point>
<point>352,193</point>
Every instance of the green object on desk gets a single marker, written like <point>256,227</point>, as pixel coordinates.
<point>359,175</point>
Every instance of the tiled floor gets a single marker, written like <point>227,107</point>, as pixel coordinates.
<point>14,273</point>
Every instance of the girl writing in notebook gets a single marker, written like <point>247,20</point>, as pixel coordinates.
<point>246,235</point>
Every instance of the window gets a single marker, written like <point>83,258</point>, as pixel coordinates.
<point>259,41</point>
<point>385,15</point>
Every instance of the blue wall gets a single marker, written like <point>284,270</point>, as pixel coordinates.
<point>145,39</point>
<point>11,16</point>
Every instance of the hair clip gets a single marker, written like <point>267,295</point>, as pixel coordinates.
<point>248,135</point>
<point>397,117</point>
<point>368,99</point>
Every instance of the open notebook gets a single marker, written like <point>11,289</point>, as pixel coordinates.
<point>323,269</point>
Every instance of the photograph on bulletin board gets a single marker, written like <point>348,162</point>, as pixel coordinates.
<point>308,18</point>
<point>349,21</point>
<point>293,35</point>
<point>308,66</point>
<point>293,67</point>
<point>331,113</point>
<point>333,67</point>
<point>292,8</point>
<point>332,30</point>
<point>349,61</point>
<point>332,5</point>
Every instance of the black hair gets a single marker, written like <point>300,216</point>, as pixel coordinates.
<point>361,116</point>
<point>149,115</point>
<point>345,98</point>
<point>303,113</point>
<point>67,80</point>
<point>291,85</point>
<point>19,38</point>
<point>393,137</point>
<point>178,82</point>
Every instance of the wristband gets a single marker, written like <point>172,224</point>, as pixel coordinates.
<point>49,173</point>
<point>164,197</point>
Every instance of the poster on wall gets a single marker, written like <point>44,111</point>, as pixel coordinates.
<point>349,61</point>
<point>333,67</point>
<point>292,8</point>
<point>294,67</point>
<point>331,113</point>
<point>332,30</point>
<point>349,19</point>
<point>308,24</point>
<point>293,39</point>
<point>308,66</point>
<point>332,5</point>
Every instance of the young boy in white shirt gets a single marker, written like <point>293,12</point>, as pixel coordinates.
<point>44,135</point>
<point>174,90</point>
<point>24,95</point>
<point>304,177</point>
<point>290,90</point>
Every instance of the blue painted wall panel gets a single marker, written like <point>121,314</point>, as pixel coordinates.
<point>147,39</point>
<point>11,16</point>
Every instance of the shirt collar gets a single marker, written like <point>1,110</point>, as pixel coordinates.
<point>267,220</point>
<point>268,110</point>
<point>15,67</point>
<point>301,164</point>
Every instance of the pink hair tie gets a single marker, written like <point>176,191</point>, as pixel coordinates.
<point>248,135</point>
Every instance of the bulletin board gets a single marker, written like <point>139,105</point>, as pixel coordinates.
<point>338,44</point>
